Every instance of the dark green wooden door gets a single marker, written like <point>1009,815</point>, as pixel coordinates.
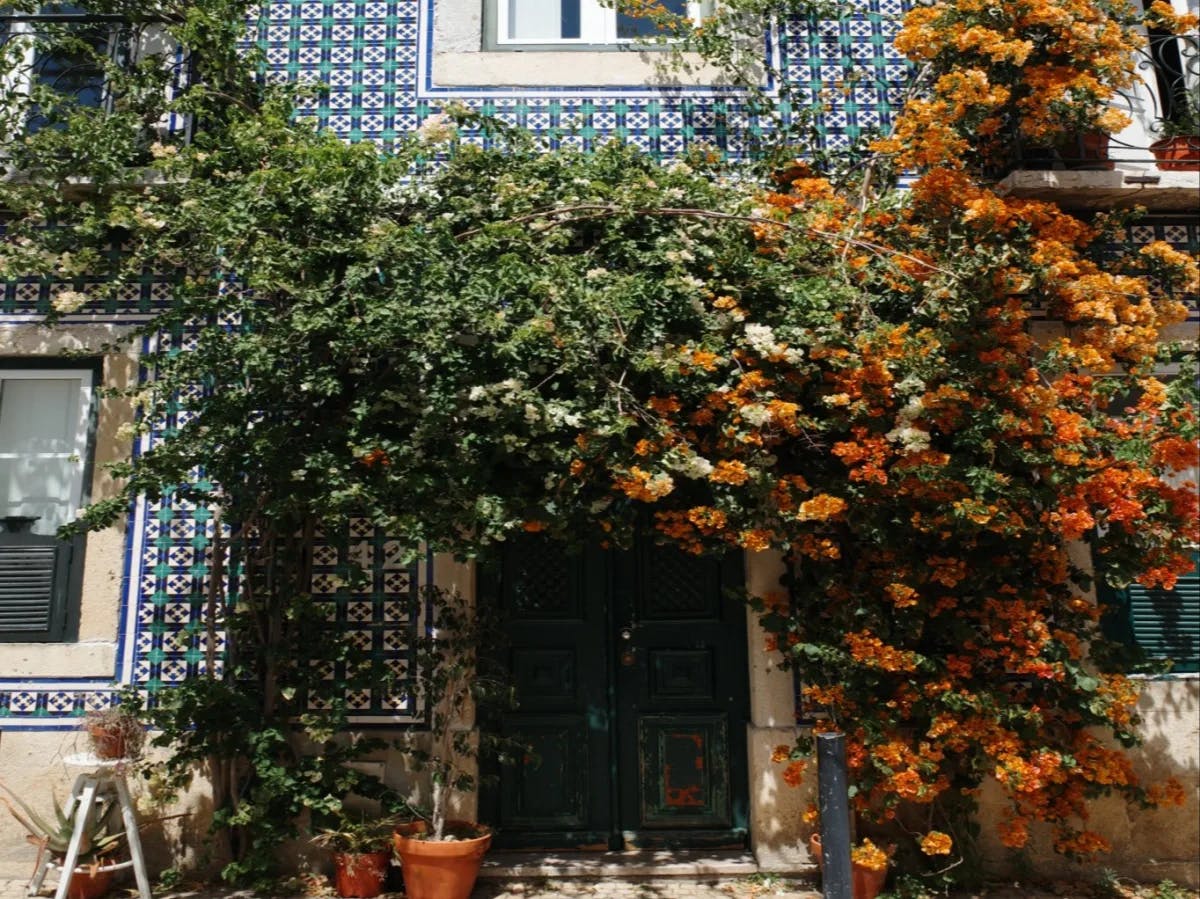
<point>630,669</point>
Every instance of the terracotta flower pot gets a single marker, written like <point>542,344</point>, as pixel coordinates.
<point>89,883</point>
<point>1180,153</point>
<point>865,883</point>
<point>360,874</point>
<point>1087,150</point>
<point>107,742</point>
<point>443,869</point>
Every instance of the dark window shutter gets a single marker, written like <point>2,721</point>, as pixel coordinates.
<point>1164,624</point>
<point>34,576</point>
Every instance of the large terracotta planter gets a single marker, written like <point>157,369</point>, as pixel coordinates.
<point>89,883</point>
<point>439,870</point>
<point>360,875</point>
<point>1180,153</point>
<point>865,883</point>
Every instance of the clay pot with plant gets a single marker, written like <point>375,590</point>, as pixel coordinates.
<point>1179,148</point>
<point>98,851</point>
<point>452,677</point>
<point>362,851</point>
<point>117,732</point>
<point>868,866</point>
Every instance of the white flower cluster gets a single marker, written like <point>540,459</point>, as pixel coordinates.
<point>489,399</point>
<point>755,414</point>
<point>763,341</point>
<point>67,301</point>
<point>909,438</point>
<point>691,466</point>
<point>437,129</point>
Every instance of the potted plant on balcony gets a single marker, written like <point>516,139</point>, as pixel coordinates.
<point>117,732</point>
<point>361,850</point>
<point>96,864</point>
<point>1179,148</point>
<point>439,856</point>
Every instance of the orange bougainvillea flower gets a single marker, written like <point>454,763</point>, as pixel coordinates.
<point>936,843</point>
<point>376,457</point>
<point>821,507</point>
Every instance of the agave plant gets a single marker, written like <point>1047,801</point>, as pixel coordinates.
<point>54,835</point>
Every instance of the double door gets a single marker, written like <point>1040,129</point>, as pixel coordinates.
<point>630,671</point>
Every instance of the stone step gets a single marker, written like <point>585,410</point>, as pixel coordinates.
<point>634,863</point>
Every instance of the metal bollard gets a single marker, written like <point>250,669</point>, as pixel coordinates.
<point>835,815</point>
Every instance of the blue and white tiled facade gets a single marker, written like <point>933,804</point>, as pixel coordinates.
<point>376,57</point>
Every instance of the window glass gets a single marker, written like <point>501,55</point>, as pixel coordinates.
<point>66,65</point>
<point>536,20</point>
<point>43,441</point>
<point>583,21</point>
<point>36,415</point>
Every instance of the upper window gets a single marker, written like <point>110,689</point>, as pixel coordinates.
<point>583,22</point>
<point>45,418</point>
<point>59,48</point>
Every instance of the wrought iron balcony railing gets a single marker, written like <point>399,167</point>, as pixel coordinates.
<point>1164,103</point>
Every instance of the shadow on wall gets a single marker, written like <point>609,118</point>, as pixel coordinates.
<point>1149,845</point>
<point>182,844</point>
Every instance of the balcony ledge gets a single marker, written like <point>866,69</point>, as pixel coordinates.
<point>1154,189</point>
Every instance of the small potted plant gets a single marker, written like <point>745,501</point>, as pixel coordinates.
<point>362,851</point>
<point>1179,148</point>
<point>117,732</point>
<point>868,866</point>
<point>439,857</point>
<point>96,864</point>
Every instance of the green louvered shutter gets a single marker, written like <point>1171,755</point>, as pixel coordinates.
<point>1165,624</point>
<point>34,574</point>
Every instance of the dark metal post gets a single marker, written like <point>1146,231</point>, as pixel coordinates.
<point>835,815</point>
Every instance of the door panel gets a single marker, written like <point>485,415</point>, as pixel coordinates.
<point>682,695</point>
<point>558,754</point>
<point>554,605</point>
<point>630,670</point>
<point>687,782</point>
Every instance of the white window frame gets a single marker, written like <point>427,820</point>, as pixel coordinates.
<point>79,444</point>
<point>597,26</point>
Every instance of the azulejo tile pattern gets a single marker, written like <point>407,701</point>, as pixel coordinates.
<point>375,59</point>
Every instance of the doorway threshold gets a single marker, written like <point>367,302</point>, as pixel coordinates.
<point>634,863</point>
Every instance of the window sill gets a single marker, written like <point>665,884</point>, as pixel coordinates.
<point>70,660</point>
<point>1127,185</point>
<point>564,67</point>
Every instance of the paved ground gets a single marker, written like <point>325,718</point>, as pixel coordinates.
<point>634,888</point>
<point>590,888</point>
<point>753,887</point>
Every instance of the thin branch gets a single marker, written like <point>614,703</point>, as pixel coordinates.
<point>602,210</point>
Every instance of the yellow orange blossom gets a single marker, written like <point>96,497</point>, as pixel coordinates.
<point>729,471</point>
<point>865,647</point>
<point>869,855</point>
<point>821,507</point>
<point>936,843</point>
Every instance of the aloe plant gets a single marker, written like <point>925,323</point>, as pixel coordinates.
<point>55,835</point>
